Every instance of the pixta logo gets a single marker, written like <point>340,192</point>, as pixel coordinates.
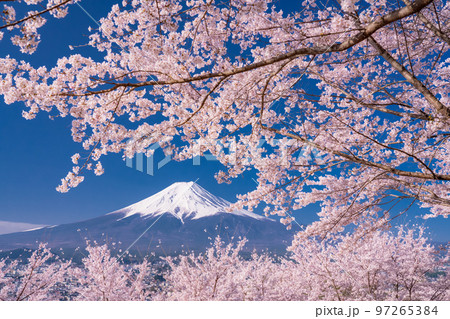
<point>149,164</point>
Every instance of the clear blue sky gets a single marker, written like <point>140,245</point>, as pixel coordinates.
<point>35,155</point>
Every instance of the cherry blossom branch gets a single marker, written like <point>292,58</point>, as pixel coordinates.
<point>440,108</point>
<point>355,159</point>
<point>430,26</point>
<point>34,15</point>
<point>202,104</point>
<point>375,106</point>
<point>337,47</point>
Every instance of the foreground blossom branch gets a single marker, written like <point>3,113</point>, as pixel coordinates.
<point>33,20</point>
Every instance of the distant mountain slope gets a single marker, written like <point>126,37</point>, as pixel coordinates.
<point>184,216</point>
<point>183,201</point>
<point>12,227</point>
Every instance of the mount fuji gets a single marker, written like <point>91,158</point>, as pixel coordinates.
<point>184,201</point>
<point>183,216</point>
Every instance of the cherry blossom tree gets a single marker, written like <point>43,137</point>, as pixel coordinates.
<point>221,273</point>
<point>37,279</point>
<point>385,265</point>
<point>361,85</point>
<point>103,277</point>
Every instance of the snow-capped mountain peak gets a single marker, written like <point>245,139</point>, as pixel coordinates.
<point>184,200</point>
<point>150,224</point>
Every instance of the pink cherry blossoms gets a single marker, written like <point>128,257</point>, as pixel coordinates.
<point>37,279</point>
<point>362,85</point>
<point>386,265</point>
<point>27,25</point>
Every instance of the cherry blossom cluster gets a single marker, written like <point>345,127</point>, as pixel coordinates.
<point>33,18</point>
<point>37,279</point>
<point>101,277</point>
<point>383,265</point>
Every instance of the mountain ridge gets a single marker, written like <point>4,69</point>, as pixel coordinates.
<point>181,215</point>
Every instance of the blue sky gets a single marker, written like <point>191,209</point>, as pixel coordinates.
<point>35,155</point>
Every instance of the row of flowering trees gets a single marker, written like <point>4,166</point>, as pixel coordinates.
<point>385,265</point>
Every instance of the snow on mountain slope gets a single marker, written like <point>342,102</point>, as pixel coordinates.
<point>184,200</point>
<point>12,227</point>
